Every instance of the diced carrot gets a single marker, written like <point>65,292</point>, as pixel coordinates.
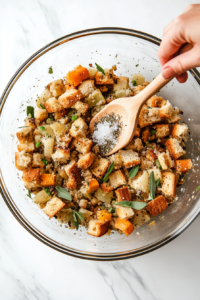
<point>93,186</point>
<point>145,134</point>
<point>124,225</point>
<point>76,76</point>
<point>47,179</point>
<point>104,215</point>
<point>183,166</point>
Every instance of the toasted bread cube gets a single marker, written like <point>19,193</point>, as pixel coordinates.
<point>154,101</point>
<point>66,138</point>
<point>83,203</point>
<point>151,155</point>
<point>72,170</point>
<point>86,213</point>
<point>93,186</point>
<point>95,98</point>
<point>41,197</point>
<point>78,75</point>
<point>81,107</point>
<point>162,130</point>
<point>104,197</point>
<point>106,187</point>
<point>43,98</point>
<point>53,105</point>
<point>138,89</point>
<point>116,179</point>
<point>157,174</point>
<point>175,116</point>
<point>149,116</point>
<point>86,174</point>
<point>48,146</point>
<point>141,217</point>
<point>85,160</point>
<point>86,87</point>
<point>79,128</point>
<point>137,132</point>
<point>122,84</point>
<point>165,161</point>
<point>146,164</point>
<point>180,131</point>
<point>30,122</point>
<point>71,183</point>
<point>69,98</point>
<point>166,111</point>
<point>129,158</point>
<point>25,135</point>
<point>22,160</point>
<point>37,160</point>
<point>174,148</point>
<point>29,147</point>
<point>145,134</point>
<point>140,183</point>
<point>135,144</point>
<point>59,129</point>
<point>83,145</point>
<point>183,166</point>
<point>99,167</point>
<point>53,207</point>
<point>124,225</point>
<point>41,114</point>
<point>60,114</point>
<point>101,79</point>
<point>123,194</point>
<point>169,184</point>
<point>47,179</point>
<point>31,178</point>
<point>117,159</point>
<point>97,228</point>
<point>104,215</point>
<point>156,206</point>
<point>61,154</point>
<point>56,87</point>
<point>124,212</point>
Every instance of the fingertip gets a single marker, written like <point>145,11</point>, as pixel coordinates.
<point>182,78</point>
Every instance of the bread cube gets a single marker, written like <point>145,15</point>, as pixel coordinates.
<point>124,212</point>
<point>61,154</point>
<point>69,98</point>
<point>175,116</point>
<point>59,129</point>
<point>149,116</point>
<point>79,128</point>
<point>145,134</point>
<point>57,87</point>
<point>81,107</point>
<point>122,84</point>
<point>104,197</point>
<point>85,160</point>
<point>124,225</point>
<point>86,174</point>
<point>43,98</point>
<point>162,130</point>
<point>135,144</point>
<point>154,101</point>
<point>183,166</point>
<point>25,135</point>
<point>137,132</point>
<point>146,164</point>
<point>169,184</point>
<point>166,111</point>
<point>41,114</point>
<point>48,146</point>
<point>180,131</point>
<point>156,206</point>
<point>123,194</point>
<point>31,178</point>
<point>151,155</point>
<point>41,197</point>
<point>141,217</point>
<point>140,183</point>
<point>165,161</point>
<point>129,158</point>
<point>174,148</point>
<point>72,170</point>
<point>83,203</point>
<point>104,215</point>
<point>29,147</point>
<point>99,167</point>
<point>83,145</point>
<point>95,98</point>
<point>101,79</point>
<point>86,87</point>
<point>117,159</point>
<point>37,160</point>
<point>30,122</point>
<point>97,228</point>
<point>116,179</point>
<point>53,105</point>
<point>60,114</point>
<point>106,187</point>
<point>53,207</point>
<point>22,160</point>
<point>157,174</point>
<point>66,139</point>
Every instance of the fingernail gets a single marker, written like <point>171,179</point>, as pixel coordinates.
<point>168,72</point>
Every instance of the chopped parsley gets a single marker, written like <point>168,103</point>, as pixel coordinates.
<point>74,118</point>
<point>134,83</point>
<point>137,65</point>
<point>45,161</point>
<point>48,191</point>
<point>149,107</point>
<point>100,69</point>
<point>29,194</point>
<point>50,70</point>
<point>38,145</point>
<point>42,128</point>
<point>42,106</point>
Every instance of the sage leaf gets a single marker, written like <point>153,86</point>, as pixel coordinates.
<point>100,69</point>
<point>152,186</point>
<point>133,204</point>
<point>110,169</point>
<point>30,111</point>
<point>133,172</point>
<point>62,193</point>
<point>158,182</point>
<point>198,188</point>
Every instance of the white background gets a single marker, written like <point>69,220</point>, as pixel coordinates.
<point>31,270</point>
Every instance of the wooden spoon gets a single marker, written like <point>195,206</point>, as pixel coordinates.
<point>129,109</point>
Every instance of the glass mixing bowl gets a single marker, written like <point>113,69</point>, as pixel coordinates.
<point>132,52</point>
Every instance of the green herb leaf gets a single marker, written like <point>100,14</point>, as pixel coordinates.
<point>110,169</point>
<point>140,196</point>
<point>149,107</point>
<point>100,180</point>
<point>38,145</point>
<point>152,186</point>
<point>133,172</point>
<point>111,210</point>
<point>158,164</point>
<point>51,117</point>
<point>76,216</point>
<point>100,69</point>
<point>62,193</point>
<point>30,111</point>
<point>45,161</point>
<point>42,128</point>
<point>133,204</point>
<point>74,118</point>
<point>134,83</point>
<point>158,182</point>
<point>23,127</point>
<point>50,70</point>
<point>48,191</point>
<point>153,131</point>
<point>29,194</point>
<point>87,182</point>
<point>42,106</point>
<point>147,144</point>
<point>137,65</point>
<point>198,188</point>
<point>102,206</point>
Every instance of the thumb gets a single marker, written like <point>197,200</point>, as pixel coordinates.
<point>182,63</point>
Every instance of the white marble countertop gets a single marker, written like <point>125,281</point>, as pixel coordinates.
<point>29,269</point>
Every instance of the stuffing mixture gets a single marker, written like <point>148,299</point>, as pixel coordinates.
<point>64,169</point>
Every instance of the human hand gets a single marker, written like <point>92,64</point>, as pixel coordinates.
<point>184,29</point>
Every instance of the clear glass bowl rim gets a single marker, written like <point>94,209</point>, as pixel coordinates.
<point>10,202</point>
